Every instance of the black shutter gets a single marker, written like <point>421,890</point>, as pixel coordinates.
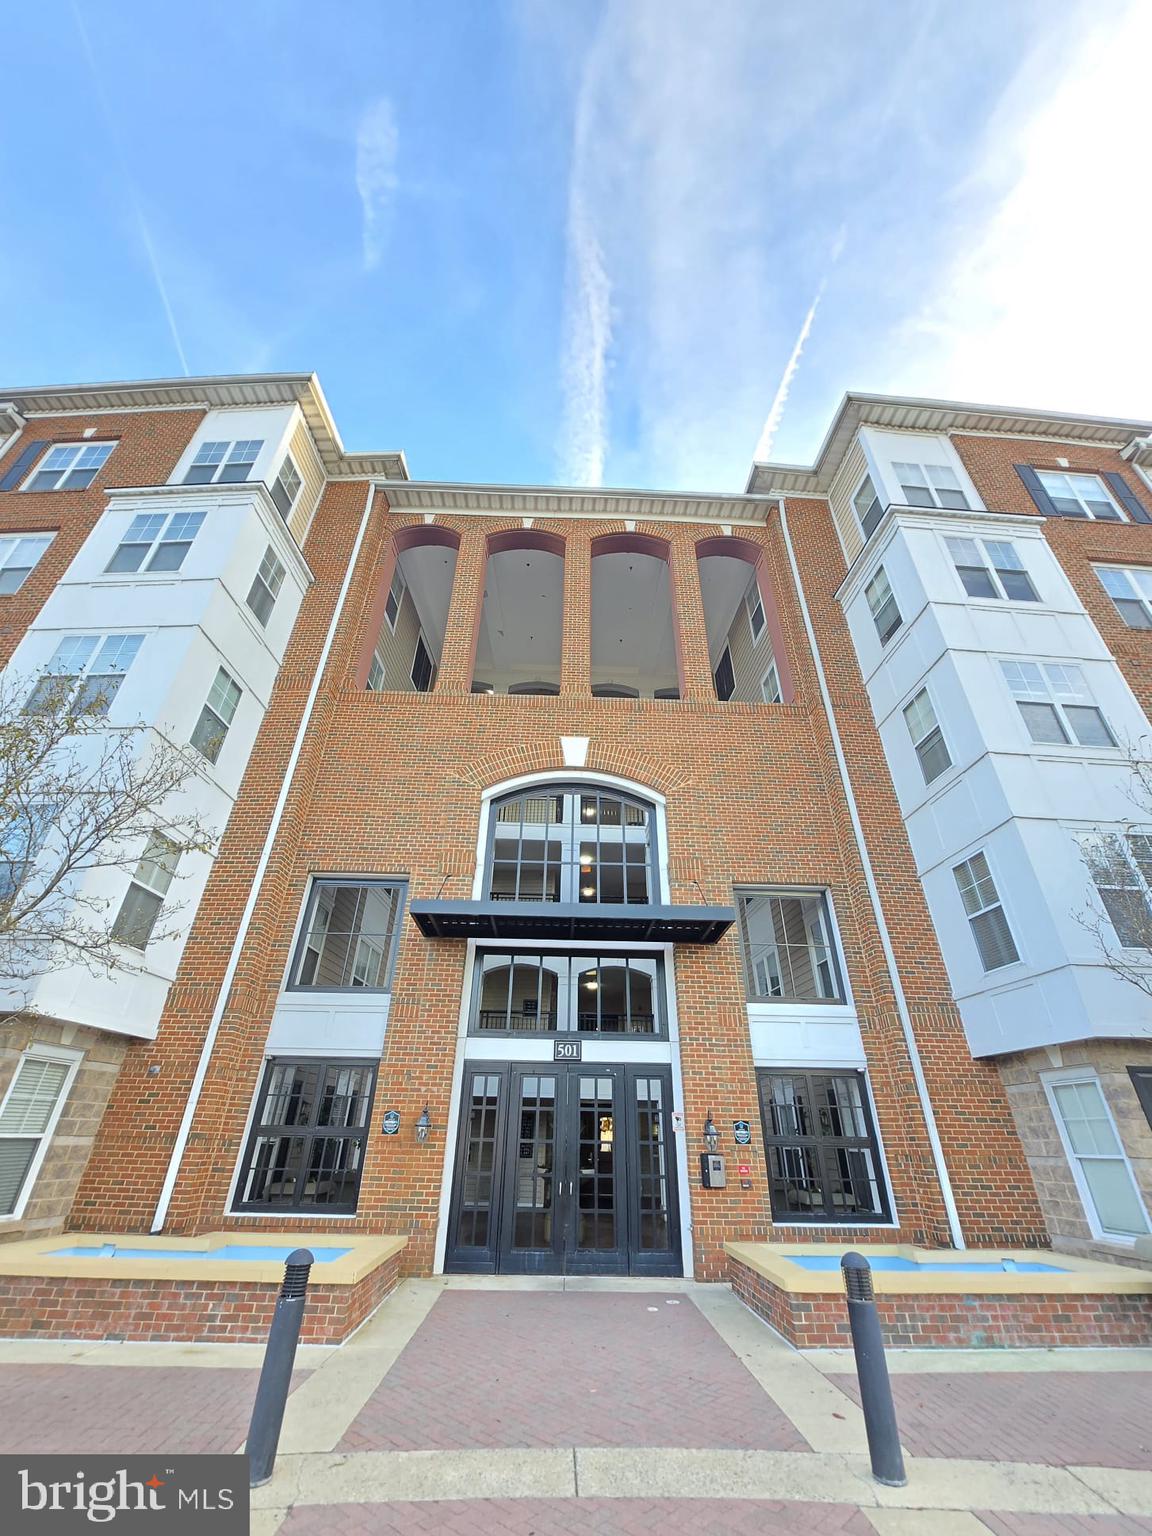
<point>22,464</point>
<point>1127,497</point>
<point>1039,495</point>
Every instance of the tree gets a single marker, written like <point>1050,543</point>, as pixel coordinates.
<point>1120,864</point>
<point>79,795</point>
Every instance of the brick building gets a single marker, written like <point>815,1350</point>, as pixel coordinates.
<point>566,830</point>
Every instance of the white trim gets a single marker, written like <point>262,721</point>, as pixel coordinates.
<point>1071,1075</point>
<point>65,1057</point>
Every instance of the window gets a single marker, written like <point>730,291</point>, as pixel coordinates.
<point>265,587</point>
<point>985,914</point>
<point>1142,1082</point>
<point>882,605</point>
<point>571,845</point>
<point>788,949</point>
<point>20,842</point>
<point>1056,705</point>
<point>546,992</point>
<point>376,673</point>
<point>1107,1188</point>
<point>395,598</point>
<point>1121,870</point>
<point>1079,496</point>
<point>823,1160</point>
<point>927,737</point>
<point>28,1116</point>
<point>140,908</point>
<point>166,539</point>
<point>755,606</point>
<point>217,715</point>
<point>770,685</point>
<point>19,555</point>
<point>930,485</point>
<point>70,467</point>
<point>724,676</point>
<point>349,935</point>
<point>223,462</point>
<point>1131,594</point>
<point>286,487</point>
<point>423,668</point>
<point>868,506</point>
<point>991,568</point>
<point>85,673</point>
<point>306,1148</point>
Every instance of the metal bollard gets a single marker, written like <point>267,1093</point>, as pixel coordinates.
<point>872,1371</point>
<point>276,1372</point>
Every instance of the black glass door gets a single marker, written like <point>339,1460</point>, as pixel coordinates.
<point>596,1240</point>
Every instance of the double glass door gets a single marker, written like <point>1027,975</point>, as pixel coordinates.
<point>565,1169</point>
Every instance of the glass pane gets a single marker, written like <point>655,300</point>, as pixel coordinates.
<point>787,947</point>
<point>595,1165</point>
<point>345,1098</point>
<point>794,1181</point>
<point>652,1165</point>
<point>533,1192</point>
<point>16,1154</point>
<point>475,1222</point>
<point>349,938</point>
<point>1043,722</point>
<point>1118,1206</point>
<point>275,1168</point>
<point>292,1094</point>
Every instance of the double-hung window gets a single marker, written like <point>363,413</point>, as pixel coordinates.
<point>265,588</point>
<point>1080,496</point>
<point>395,598</point>
<point>869,508</point>
<point>724,676</point>
<point>217,715</point>
<point>140,908</point>
<point>28,1116</point>
<point>1121,870</point>
<point>754,603</point>
<point>770,685</point>
<point>70,467</point>
<point>19,555</point>
<point>376,673</point>
<point>882,606</point>
<point>991,568</point>
<point>1130,591</point>
<point>286,488</point>
<point>927,737</point>
<point>349,935</point>
<point>1056,703</point>
<point>423,668</point>
<point>155,537</point>
<point>1096,1155</point>
<point>789,953</point>
<point>223,462</point>
<point>930,485</point>
<point>84,674</point>
<point>20,842</point>
<point>986,916</point>
<point>823,1158</point>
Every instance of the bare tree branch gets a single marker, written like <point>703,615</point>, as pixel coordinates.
<point>1119,915</point>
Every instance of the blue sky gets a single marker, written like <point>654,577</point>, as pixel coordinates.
<point>627,242</point>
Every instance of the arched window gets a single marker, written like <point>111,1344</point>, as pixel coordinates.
<point>572,843</point>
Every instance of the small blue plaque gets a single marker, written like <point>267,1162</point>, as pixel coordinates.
<point>391,1122</point>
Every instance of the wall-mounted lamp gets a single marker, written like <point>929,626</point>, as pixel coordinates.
<point>711,1134</point>
<point>423,1125</point>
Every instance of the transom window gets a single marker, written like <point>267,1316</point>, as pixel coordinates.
<point>1079,495</point>
<point>1056,703</point>
<point>85,673</point>
<point>991,568</point>
<point>286,488</point>
<point>349,935</point>
<point>1121,870</point>
<point>571,845</point>
<point>882,606</point>
<point>70,467</point>
<point>927,737</point>
<point>265,587</point>
<point>1130,591</point>
<point>160,539</point>
<point>140,909</point>
<point>223,462</point>
<point>930,485</point>
<point>986,917</point>
<point>789,954</point>
<point>306,1148</point>
<point>19,555</point>
<point>823,1160</point>
<point>549,992</point>
<point>869,507</point>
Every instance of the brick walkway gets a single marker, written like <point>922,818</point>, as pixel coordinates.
<point>584,1517</point>
<point>492,1368</point>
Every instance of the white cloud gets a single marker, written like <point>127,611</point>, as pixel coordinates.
<point>377,143</point>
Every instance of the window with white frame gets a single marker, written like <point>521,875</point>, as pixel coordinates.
<point>869,508</point>
<point>1080,496</point>
<point>286,487</point>
<point>217,715</point>
<point>770,685</point>
<point>1121,870</point>
<point>28,1116</point>
<point>84,674</point>
<point>882,606</point>
<point>223,462</point>
<point>136,919</point>
<point>376,673</point>
<point>423,668</point>
<point>930,485</point>
<point>1131,593</point>
<point>20,842</point>
<point>395,598</point>
<point>1056,703</point>
<point>1096,1154</point>
<point>265,588</point>
<point>986,916</point>
<point>69,467</point>
<point>160,539</point>
<point>991,568</point>
<point>755,606</point>
<point>19,555</point>
<point>789,953</point>
<point>927,737</point>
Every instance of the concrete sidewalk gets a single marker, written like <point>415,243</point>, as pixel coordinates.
<point>552,1408</point>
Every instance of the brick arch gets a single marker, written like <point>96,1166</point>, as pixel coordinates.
<point>640,768</point>
<point>732,547</point>
<point>410,536</point>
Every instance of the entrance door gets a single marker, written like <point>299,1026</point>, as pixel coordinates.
<point>565,1169</point>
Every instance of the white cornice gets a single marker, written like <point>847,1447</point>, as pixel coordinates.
<point>574,502</point>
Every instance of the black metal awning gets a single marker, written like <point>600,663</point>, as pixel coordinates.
<point>571,921</point>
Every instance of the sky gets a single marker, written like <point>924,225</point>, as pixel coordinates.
<point>584,242</point>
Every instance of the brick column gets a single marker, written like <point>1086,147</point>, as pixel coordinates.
<point>458,653</point>
<point>576,644</point>
<point>688,618</point>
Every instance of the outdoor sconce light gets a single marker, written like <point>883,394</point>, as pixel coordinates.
<point>711,1134</point>
<point>423,1125</point>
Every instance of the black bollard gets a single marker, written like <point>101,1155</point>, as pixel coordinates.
<point>872,1373</point>
<point>276,1372</point>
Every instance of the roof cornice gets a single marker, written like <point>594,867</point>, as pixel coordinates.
<point>573,501</point>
